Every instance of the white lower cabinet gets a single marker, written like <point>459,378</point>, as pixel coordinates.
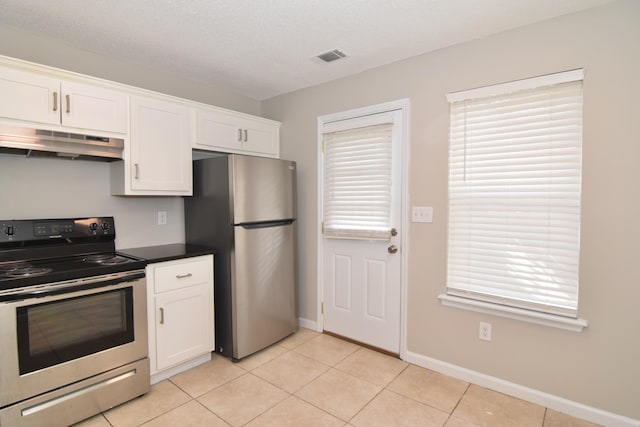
<point>181,320</point>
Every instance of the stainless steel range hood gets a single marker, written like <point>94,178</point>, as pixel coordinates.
<point>38,142</point>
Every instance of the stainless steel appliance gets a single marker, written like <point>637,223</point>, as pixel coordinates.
<point>244,207</point>
<point>33,142</point>
<point>73,321</point>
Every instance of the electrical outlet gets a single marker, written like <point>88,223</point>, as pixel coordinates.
<point>485,331</point>
<point>422,214</point>
<point>162,217</point>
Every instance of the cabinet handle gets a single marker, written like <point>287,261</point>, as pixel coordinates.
<point>55,101</point>
<point>68,97</point>
<point>183,276</point>
<point>245,135</point>
<point>137,175</point>
<point>239,135</point>
<point>161,316</point>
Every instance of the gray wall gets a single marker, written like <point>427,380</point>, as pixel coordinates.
<point>56,188</point>
<point>599,367</point>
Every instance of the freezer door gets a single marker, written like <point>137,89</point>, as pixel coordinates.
<point>263,287</point>
<point>262,189</point>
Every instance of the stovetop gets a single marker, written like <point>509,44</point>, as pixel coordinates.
<point>35,252</point>
<point>19,274</point>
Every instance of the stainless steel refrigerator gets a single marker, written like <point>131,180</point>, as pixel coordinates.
<point>244,207</point>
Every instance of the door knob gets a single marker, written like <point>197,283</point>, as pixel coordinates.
<point>392,249</point>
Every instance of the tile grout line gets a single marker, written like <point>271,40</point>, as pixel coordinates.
<point>378,393</point>
<point>457,404</point>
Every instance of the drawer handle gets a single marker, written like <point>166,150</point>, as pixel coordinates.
<point>161,316</point>
<point>183,276</point>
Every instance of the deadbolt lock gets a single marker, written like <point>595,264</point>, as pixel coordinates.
<point>394,232</point>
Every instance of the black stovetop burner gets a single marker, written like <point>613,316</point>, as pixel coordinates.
<point>34,252</point>
<point>22,269</point>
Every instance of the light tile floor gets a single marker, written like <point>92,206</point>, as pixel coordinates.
<point>311,379</point>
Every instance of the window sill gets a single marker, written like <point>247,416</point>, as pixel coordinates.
<point>574,325</point>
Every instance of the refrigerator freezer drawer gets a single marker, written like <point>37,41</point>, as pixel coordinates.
<point>263,288</point>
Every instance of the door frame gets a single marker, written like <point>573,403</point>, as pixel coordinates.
<point>403,106</point>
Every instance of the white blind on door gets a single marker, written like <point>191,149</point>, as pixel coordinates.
<point>514,196</point>
<point>357,183</point>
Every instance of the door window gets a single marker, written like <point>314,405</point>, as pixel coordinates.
<point>357,181</point>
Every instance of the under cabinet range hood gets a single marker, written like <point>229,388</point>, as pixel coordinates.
<point>32,142</point>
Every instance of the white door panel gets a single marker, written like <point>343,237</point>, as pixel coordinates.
<point>362,292</point>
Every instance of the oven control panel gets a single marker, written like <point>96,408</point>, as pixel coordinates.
<point>27,230</point>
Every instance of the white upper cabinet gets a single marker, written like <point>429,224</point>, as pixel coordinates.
<point>226,131</point>
<point>159,130</point>
<point>37,98</point>
<point>157,158</point>
<point>90,107</point>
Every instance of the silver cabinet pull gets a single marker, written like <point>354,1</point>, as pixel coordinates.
<point>137,175</point>
<point>183,276</point>
<point>68,97</point>
<point>161,316</point>
<point>245,135</point>
<point>55,101</point>
<point>392,249</point>
<point>239,135</point>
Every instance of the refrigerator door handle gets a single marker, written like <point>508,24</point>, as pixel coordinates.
<point>266,224</point>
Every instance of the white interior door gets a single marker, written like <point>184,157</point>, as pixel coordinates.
<point>362,278</point>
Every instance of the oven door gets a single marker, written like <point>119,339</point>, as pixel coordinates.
<point>69,331</point>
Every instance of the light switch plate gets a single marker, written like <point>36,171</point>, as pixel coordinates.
<point>422,214</point>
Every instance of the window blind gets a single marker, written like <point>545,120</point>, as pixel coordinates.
<point>357,183</point>
<point>514,195</point>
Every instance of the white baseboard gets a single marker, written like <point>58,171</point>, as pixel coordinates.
<point>309,324</point>
<point>556,403</point>
<point>163,375</point>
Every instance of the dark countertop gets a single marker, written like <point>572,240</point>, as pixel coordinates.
<point>168,252</point>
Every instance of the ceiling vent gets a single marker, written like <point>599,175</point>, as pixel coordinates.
<point>331,56</point>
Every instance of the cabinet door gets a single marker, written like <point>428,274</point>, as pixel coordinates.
<point>159,146</point>
<point>217,131</point>
<point>260,139</point>
<point>95,108</point>
<point>184,325</point>
<point>29,96</point>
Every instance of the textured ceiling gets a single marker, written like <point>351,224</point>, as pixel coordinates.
<point>261,48</point>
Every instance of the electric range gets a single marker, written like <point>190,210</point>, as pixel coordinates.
<point>73,321</point>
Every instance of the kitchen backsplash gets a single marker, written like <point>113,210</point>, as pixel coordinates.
<point>38,188</point>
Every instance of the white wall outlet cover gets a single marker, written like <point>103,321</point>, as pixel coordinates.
<point>485,331</point>
<point>162,217</point>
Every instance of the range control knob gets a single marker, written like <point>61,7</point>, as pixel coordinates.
<point>10,230</point>
<point>105,226</point>
<point>93,226</point>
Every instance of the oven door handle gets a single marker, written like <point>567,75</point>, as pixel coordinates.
<point>58,288</point>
